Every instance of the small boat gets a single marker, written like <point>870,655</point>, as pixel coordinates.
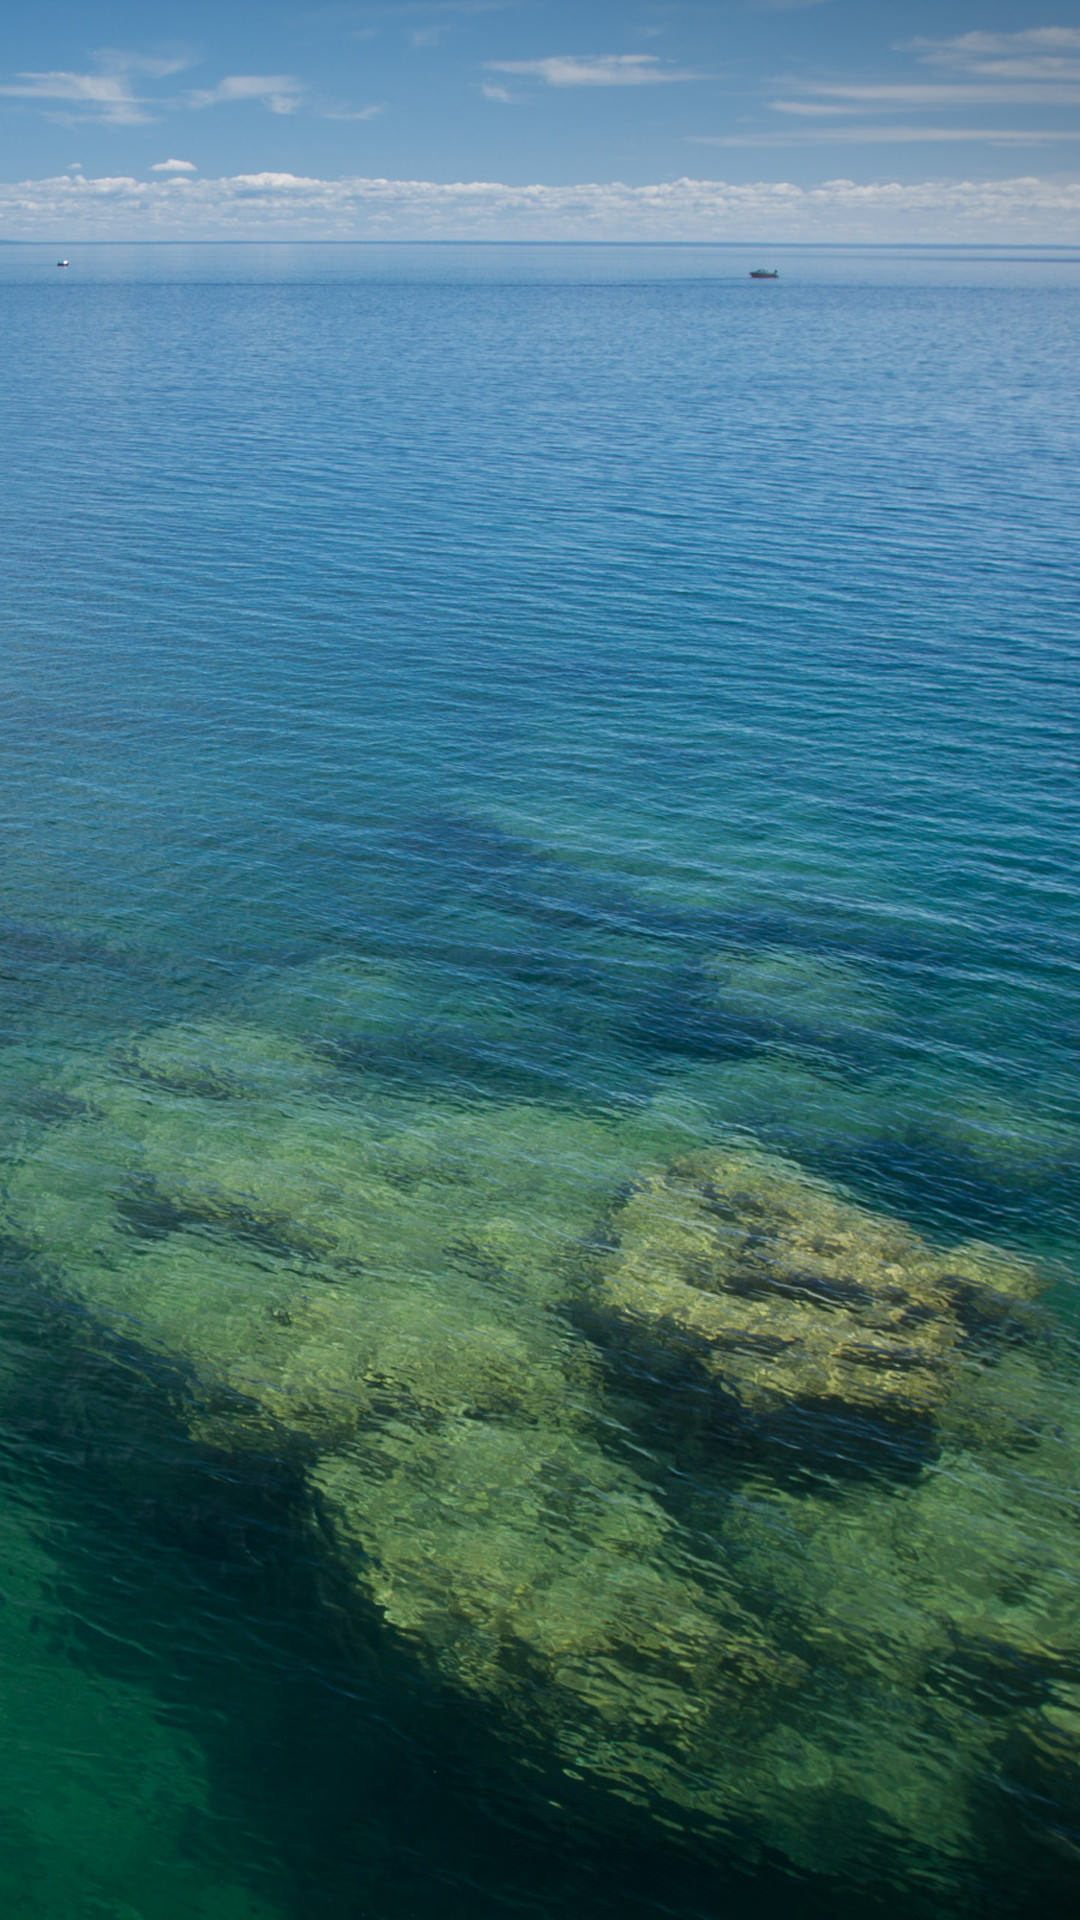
<point>765,273</point>
<point>63,263</point>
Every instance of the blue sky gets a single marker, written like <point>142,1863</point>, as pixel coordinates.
<point>642,104</point>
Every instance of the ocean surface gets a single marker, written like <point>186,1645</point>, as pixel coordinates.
<point>540,1184</point>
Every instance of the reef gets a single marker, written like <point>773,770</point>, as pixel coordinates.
<point>796,998</point>
<point>782,1293</point>
<point>1004,1161</point>
<point>460,1318</point>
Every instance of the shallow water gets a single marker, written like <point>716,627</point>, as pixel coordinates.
<point>541,1183</point>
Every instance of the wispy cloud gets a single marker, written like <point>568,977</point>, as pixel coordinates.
<point>352,113</point>
<point>491,91</point>
<point>118,92</point>
<point>100,96</point>
<point>812,109</point>
<point>286,205</point>
<point>1037,53</point>
<point>599,70</point>
<point>874,133</point>
<point>156,66</point>
<point>962,93</point>
<point>106,95</point>
<point>281,92</point>
<point>1038,67</point>
<point>174,166</point>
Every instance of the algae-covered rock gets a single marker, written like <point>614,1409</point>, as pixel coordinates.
<point>965,1579</point>
<point>508,1550</point>
<point>784,1294</point>
<point>940,1615</point>
<point>992,1156</point>
<point>219,1060</point>
<point>778,1102</point>
<point>391,1284</point>
<point>210,1195</point>
<point>544,1582</point>
<point>784,994</point>
<point>996,1142</point>
<point>382,1285</point>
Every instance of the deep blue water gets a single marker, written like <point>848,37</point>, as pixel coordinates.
<point>489,733</point>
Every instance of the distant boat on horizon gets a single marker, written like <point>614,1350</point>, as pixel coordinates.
<point>62,263</point>
<point>764,273</point>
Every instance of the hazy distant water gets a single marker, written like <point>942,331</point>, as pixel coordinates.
<point>524,714</point>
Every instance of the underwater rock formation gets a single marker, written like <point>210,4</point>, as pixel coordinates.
<point>784,1294</point>
<point>941,1617</point>
<point>382,1289</point>
<point>780,994</point>
<point>390,1288</point>
<point>326,1263</point>
<point>1000,1161</point>
<point>520,1560</point>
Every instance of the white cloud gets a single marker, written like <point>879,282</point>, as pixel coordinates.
<point>103,96</point>
<point>963,93</point>
<point>290,206</point>
<point>602,70</point>
<point>1053,37</point>
<point>155,66</point>
<point>811,109</point>
<point>174,166</point>
<point>878,134</point>
<point>1039,67</point>
<point>352,113</point>
<point>492,92</point>
<point>281,92</point>
<point>1037,53</point>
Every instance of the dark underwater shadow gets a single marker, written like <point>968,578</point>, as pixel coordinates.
<point>614,997</point>
<point>447,855</point>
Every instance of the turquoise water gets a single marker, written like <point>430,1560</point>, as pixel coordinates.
<point>541,1136</point>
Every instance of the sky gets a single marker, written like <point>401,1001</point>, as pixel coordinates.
<point>534,119</point>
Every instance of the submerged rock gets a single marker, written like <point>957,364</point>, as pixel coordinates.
<point>382,1290</point>
<point>781,994</point>
<point>782,1294</point>
<point>387,1286</point>
<point>522,1558</point>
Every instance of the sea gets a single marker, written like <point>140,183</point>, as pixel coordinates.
<point>539,1114</point>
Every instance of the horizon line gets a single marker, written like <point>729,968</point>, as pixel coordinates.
<point>852,246</point>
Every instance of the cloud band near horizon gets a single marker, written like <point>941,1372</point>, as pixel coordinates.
<point>267,206</point>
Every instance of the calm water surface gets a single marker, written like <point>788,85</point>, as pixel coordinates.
<point>541,1142</point>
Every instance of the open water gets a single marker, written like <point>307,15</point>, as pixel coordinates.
<point>541,1139</point>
